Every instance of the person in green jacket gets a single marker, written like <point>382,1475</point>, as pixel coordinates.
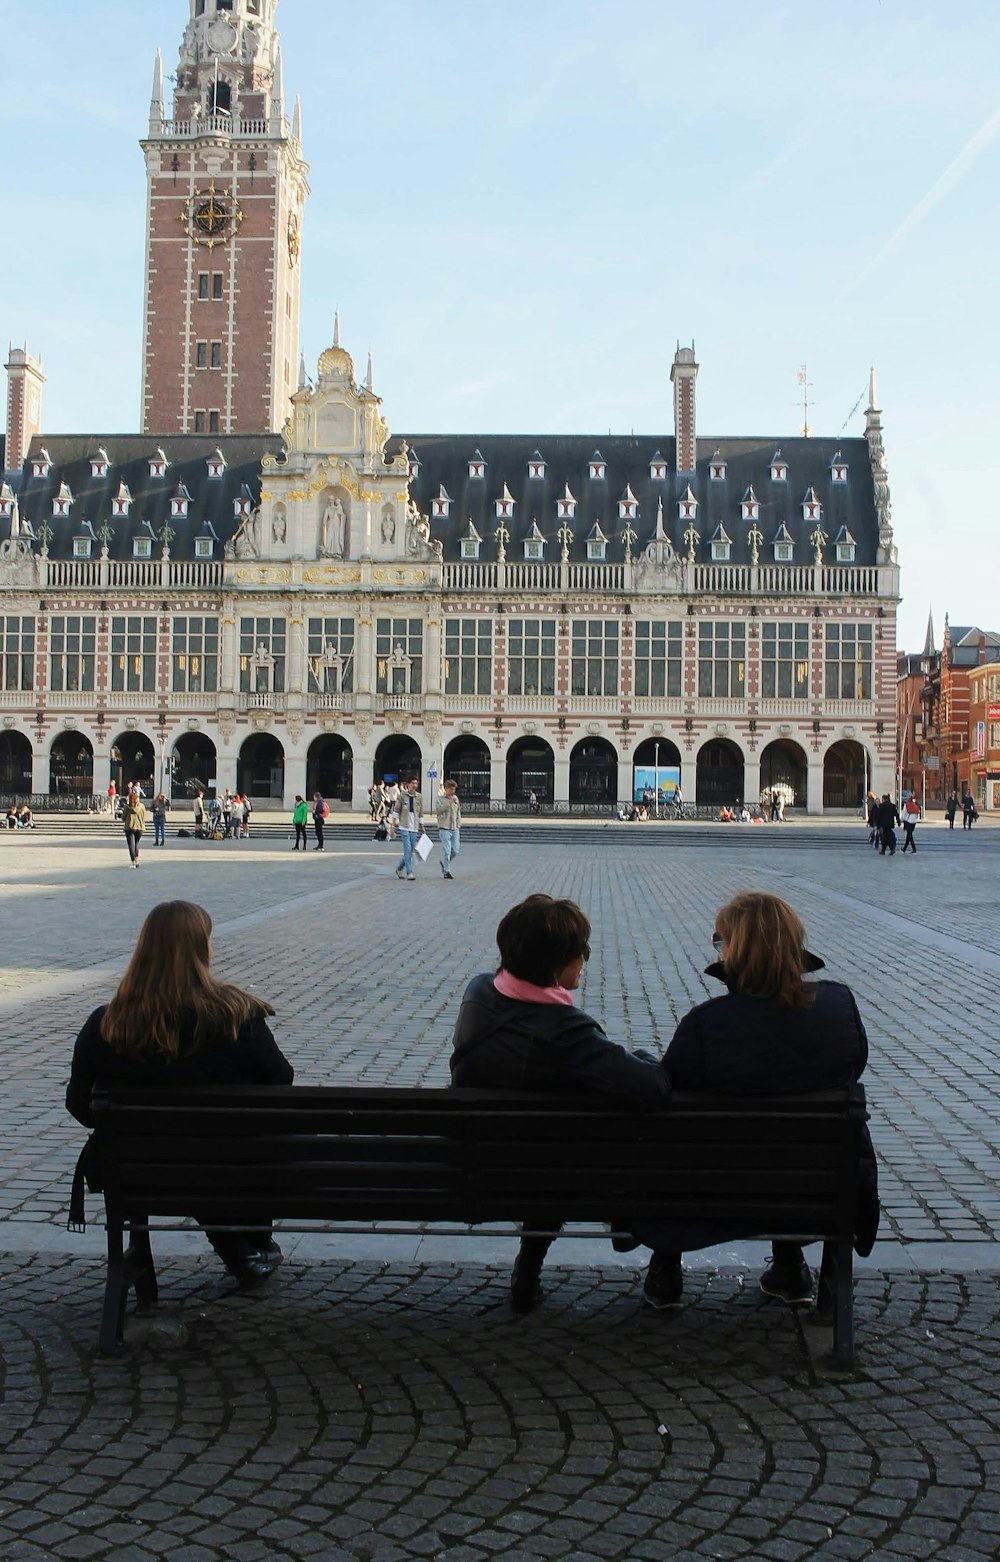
<point>300,818</point>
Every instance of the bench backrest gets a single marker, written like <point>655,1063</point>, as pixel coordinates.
<point>352,1153</point>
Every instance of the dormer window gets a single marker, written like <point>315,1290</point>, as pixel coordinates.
<point>81,547</point>
<point>812,510</point>
<point>847,548</point>
<point>441,505</point>
<point>242,506</point>
<point>534,543</point>
<point>717,469</point>
<point>505,505</point>
<point>413,469</point>
<point>628,505</point>
<point>142,547</point>
<point>203,547</point>
<point>750,505</point>
<point>784,547</point>
<point>179,504</point>
<point>99,464</point>
<point>217,464</point>
<point>722,546</point>
<point>598,467</point>
<point>779,468</point>
<point>470,543</point>
<point>42,464</point>
<point>536,467</point>
<point>158,464</point>
<point>122,501</point>
<point>597,544</point>
<point>566,506</point>
<point>477,465</point>
<point>687,507</point>
<point>658,469</point>
<point>6,501</point>
<point>63,500</point>
<point>838,469</point>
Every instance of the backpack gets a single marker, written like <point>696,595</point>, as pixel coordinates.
<point>324,809</point>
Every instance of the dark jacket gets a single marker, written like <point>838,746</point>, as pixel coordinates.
<point>506,1044</point>
<point>887,814</point>
<point>254,1058</point>
<point>735,1045</point>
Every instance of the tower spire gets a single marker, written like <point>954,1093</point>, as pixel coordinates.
<point>278,93</point>
<point>297,120</point>
<point>156,97</point>
<point>873,405</point>
<point>929,637</point>
<point>370,375</point>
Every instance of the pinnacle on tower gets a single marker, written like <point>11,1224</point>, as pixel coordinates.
<point>873,405</point>
<point>156,97</point>
<point>929,637</point>
<point>369,376</point>
<point>336,328</point>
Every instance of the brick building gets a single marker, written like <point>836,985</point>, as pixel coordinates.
<point>949,740</point>
<point>275,593</point>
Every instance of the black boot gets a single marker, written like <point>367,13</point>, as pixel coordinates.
<point>525,1288</point>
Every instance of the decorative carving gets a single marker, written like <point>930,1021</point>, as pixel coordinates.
<point>363,726</point>
<point>330,575</point>
<point>755,537</point>
<point>263,576</point>
<point>818,539</point>
<point>399,577</point>
<point>432,727</point>
<point>278,525</point>
<point>18,565</point>
<point>397,720</point>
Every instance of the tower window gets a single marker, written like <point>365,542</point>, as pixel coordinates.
<point>201,355</point>
<point>217,284</point>
<point>199,422</point>
<point>213,422</point>
<point>203,284</point>
<point>223,5</point>
<point>216,355</point>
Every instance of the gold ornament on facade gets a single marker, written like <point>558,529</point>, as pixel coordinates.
<point>329,574</point>
<point>262,576</point>
<point>211,216</point>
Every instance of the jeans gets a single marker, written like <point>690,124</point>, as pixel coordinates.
<point>318,827</point>
<point>159,832</point>
<point>449,840</point>
<point>909,843</point>
<point>407,840</point>
<point>132,839</point>
<point>300,835</point>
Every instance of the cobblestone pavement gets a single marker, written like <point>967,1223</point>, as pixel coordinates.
<point>378,1400</point>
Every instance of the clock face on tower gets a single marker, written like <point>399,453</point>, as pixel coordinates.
<point>211,216</point>
<point>221,36</point>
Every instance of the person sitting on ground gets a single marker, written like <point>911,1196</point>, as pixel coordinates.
<point>171,1024</point>
<point>517,1029</point>
<point>25,819</point>
<point>12,819</point>
<point>773,1033</point>
<point>725,815</point>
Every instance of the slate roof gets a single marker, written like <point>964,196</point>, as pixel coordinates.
<point>212,499</point>
<point>443,460</point>
<point>963,643</point>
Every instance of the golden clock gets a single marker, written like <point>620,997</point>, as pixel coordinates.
<point>211,216</point>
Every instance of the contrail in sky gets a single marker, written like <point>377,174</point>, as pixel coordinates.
<point>942,186</point>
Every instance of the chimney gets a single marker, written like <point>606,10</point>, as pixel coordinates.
<point>24,404</point>
<point>683,375</point>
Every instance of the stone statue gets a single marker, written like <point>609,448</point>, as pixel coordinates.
<point>388,527</point>
<point>278,526</point>
<point>245,544</point>
<point>332,531</point>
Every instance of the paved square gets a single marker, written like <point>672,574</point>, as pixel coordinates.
<point>390,1407</point>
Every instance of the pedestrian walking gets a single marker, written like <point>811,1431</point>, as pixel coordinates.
<point>321,812</point>
<point>969,811</point>
<point>449,819</point>
<point>951,809</point>
<point>236,817</point>
<point>911,818</point>
<point>410,808</point>
<point>887,815</point>
<point>300,819</point>
<point>134,822</point>
<point>199,813</point>
<point>247,811</point>
<point>160,806</point>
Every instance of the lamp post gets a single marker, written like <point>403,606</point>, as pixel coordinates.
<point>163,745</point>
<point>656,777</point>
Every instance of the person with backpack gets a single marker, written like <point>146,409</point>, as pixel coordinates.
<point>321,811</point>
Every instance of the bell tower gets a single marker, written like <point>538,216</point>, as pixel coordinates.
<point>226,185</point>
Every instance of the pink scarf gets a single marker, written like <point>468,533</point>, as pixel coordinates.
<point>513,987</point>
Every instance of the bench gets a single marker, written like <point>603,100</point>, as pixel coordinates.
<point>783,1167</point>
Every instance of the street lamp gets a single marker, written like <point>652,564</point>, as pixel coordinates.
<point>656,777</point>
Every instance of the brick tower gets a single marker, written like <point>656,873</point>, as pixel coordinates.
<point>226,187</point>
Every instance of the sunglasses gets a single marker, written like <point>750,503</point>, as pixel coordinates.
<point>717,943</point>
<point>585,951</point>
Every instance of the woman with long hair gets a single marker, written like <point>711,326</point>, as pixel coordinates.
<point>171,1023</point>
<point>773,1033</point>
<point>134,822</point>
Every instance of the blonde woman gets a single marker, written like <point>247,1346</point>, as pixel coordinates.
<point>171,1023</point>
<point>133,822</point>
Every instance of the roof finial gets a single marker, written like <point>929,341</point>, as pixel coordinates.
<point>873,405</point>
<point>297,120</point>
<point>156,98</point>
<point>370,375</point>
<point>302,371</point>
<point>336,328</point>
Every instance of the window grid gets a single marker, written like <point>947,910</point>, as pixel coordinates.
<point>722,665</point>
<point>17,653</point>
<point>405,636</point>
<point>468,656</point>
<point>785,661</point>
<point>195,656</point>
<point>531,656</point>
<point>72,652</point>
<point>264,673</point>
<point>133,653</point>
<point>594,658</point>
<point>848,661</point>
<point>659,658</point>
<point>327,638</point>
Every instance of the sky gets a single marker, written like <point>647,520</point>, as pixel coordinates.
<point>522,208</point>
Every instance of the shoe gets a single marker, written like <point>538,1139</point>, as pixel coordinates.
<point>525,1281</point>
<point>791,1283</point>
<point>664,1282</point>
<point>411,877</point>
<point>449,875</point>
<point>401,873</point>
<point>624,1243</point>
<point>258,1265</point>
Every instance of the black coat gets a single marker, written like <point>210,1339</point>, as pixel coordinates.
<point>736,1045</point>
<point>507,1044</point>
<point>254,1058</point>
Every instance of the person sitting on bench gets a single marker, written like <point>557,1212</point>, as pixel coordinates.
<point>771,1034</point>
<point>172,1024</point>
<point>518,1030</point>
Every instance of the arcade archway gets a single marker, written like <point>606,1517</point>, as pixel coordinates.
<point>330,768</point>
<point>719,776</point>
<point>467,761</point>
<point>195,765</point>
<point>71,764</point>
<point>593,772</point>
<point>656,767</point>
<point>15,763</point>
<point>531,767</point>
<point>844,775</point>
<point>397,759</point>
<point>783,770</point>
<point>260,769</point>
<point>133,762</point>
